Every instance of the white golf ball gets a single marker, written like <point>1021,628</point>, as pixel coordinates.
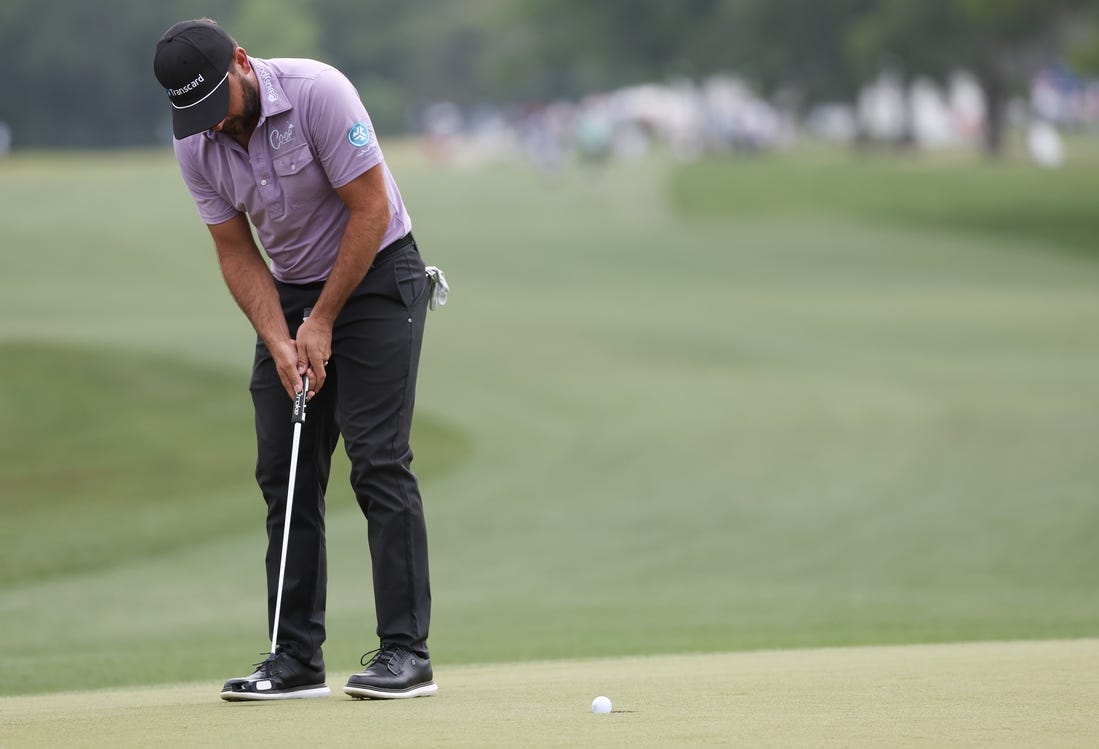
<point>601,705</point>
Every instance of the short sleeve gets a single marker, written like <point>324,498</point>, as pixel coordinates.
<point>340,128</point>
<point>212,207</point>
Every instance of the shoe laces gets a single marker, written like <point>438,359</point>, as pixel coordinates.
<point>265,664</point>
<point>383,655</point>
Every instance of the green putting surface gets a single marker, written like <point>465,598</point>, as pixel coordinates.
<point>1022,694</point>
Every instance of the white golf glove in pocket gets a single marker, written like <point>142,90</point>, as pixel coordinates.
<point>439,288</point>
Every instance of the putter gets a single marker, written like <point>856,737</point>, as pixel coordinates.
<point>297,418</point>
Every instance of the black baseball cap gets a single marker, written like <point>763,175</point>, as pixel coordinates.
<point>192,63</point>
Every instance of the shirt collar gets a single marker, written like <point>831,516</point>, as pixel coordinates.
<point>272,98</point>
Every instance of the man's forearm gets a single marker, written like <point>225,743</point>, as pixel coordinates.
<point>252,286</point>
<point>249,279</point>
<point>368,206</point>
<point>358,248</point>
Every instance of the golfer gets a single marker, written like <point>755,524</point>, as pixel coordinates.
<point>288,145</point>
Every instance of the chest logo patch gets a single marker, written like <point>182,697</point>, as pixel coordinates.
<point>359,135</point>
<point>280,139</point>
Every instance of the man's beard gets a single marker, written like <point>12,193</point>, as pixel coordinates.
<point>244,123</point>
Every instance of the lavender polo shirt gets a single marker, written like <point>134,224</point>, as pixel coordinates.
<point>313,136</point>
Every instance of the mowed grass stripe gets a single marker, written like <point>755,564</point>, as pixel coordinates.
<point>990,694</point>
<point>1008,199</point>
<point>115,454</point>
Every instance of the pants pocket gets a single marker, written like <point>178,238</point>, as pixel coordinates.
<point>411,278</point>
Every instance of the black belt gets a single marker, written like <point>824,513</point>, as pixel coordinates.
<point>387,253</point>
<point>393,249</point>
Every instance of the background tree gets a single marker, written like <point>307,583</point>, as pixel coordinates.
<point>797,46</point>
<point>63,88</point>
<point>1003,42</point>
<point>279,28</point>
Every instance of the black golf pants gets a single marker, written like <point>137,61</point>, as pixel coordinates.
<point>367,399</point>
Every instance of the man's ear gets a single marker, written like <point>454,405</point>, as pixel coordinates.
<point>240,58</point>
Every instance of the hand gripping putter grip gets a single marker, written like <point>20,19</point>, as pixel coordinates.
<point>297,418</point>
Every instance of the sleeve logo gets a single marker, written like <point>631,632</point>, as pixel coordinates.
<point>359,135</point>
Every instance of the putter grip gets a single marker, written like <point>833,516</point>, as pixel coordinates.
<point>298,417</point>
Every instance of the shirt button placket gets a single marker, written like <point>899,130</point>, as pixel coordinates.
<point>260,164</point>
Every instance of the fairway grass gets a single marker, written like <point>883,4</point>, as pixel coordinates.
<point>972,695</point>
<point>667,410</point>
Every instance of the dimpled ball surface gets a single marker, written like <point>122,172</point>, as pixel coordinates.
<point>601,705</point>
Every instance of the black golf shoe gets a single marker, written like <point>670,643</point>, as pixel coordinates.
<point>280,677</point>
<point>394,673</point>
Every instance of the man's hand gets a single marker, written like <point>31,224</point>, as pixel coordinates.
<point>314,346</point>
<point>285,355</point>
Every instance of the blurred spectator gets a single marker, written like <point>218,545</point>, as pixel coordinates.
<point>442,123</point>
<point>1060,97</point>
<point>594,133</point>
<point>1045,145</point>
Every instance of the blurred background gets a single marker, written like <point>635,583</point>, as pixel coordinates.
<point>621,75</point>
<point>773,324</point>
